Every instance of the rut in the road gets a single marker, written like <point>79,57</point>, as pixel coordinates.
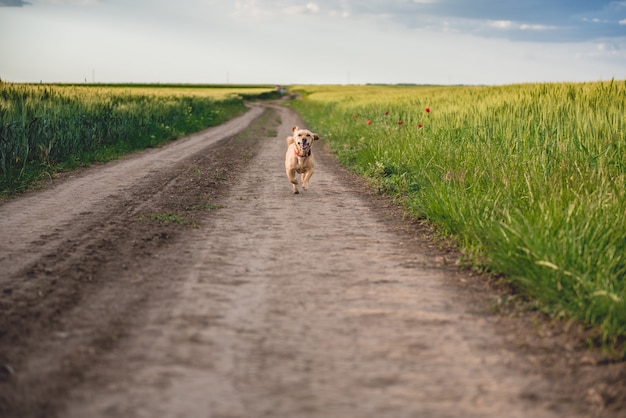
<point>307,305</point>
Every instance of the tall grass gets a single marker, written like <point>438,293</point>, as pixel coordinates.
<point>44,127</point>
<point>531,179</point>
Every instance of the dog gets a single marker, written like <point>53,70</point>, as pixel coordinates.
<point>299,158</point>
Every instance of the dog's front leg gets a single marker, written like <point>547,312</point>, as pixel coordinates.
<point>291,175</point>
<point>306,176</point>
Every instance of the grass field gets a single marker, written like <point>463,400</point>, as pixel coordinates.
<point>529,179</point>
<point>46,128</point>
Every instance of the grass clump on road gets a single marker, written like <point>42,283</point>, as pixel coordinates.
<point>530,179</point>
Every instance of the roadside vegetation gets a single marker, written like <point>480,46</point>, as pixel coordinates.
<point>49,128</point>
<point>529,179</point>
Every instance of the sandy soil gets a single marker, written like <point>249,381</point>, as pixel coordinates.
<point>188,281</point>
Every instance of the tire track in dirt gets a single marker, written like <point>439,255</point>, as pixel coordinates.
<point>72,259</point>
<point>307,306</point>
<point>41,216</point>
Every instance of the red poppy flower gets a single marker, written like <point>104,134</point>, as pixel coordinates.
<point>420,126</point>
<point>386,113</point>
<point>356,116</point>
<point>427,110</point>
<point>369,122</point>
<point>400,122</point>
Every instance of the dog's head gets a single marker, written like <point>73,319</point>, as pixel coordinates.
<point>304,138</point>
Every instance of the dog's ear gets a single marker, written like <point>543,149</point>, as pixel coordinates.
<point>316,137</point>
<point>295,128</point>
<point>290,140</point>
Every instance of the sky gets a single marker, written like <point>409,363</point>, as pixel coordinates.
<point>312,42</point>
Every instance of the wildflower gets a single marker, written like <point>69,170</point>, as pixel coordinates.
<point>369,122</point>
<point>356,116</point>
<point>400,122</point>
<point>427,110</point>
<point>386,112</point>
<point>420,126</point>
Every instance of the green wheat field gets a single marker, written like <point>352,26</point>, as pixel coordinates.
<point>47,128</point>
<point>528,179</point>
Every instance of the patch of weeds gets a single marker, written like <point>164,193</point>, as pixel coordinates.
<point>171,218</point>
<point>220,174</point>
<point>271,133</point>
<point>259,127</point>
<point>206,207</point>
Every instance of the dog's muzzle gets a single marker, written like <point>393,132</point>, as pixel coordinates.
<point>303,150</point>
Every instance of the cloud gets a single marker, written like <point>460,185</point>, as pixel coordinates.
<point>67,2</point>
<point>610,49</point>
<point>532,20</point>
<point>529,20</point>
<point>13,3</point>
<point>274,8</point>
<point>251,8</point>
<point>530,11</point>
<point>20,3</point>
<point>308,8</point>
<point>510,25</point>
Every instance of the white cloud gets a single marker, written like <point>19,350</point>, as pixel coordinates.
<point>608,49</point>
<point>248,7</point>
<point>622,22</point>
<point>510,25</point>
<point>507,19</point>
<point>525,26</point>
<point>66,2</point>
<point>309,8</point>
<point>502,24</point>
<point>340,13</point>
<point>312,7</point>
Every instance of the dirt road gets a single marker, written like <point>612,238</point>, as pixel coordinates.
<point>188,281</point>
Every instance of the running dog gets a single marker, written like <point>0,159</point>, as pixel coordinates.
<point>299,158</point>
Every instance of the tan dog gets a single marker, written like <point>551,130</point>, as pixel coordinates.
<point>299,158</point>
